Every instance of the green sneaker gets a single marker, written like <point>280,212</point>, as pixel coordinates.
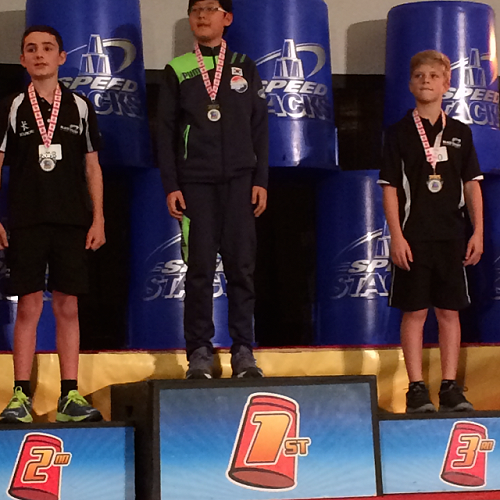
<point>18,411</point>
<point>75,408</point>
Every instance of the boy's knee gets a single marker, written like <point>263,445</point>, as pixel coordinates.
<point>420,315</point>
<point>64,306</point>
<point>446,315</point>
<point>30,306</point>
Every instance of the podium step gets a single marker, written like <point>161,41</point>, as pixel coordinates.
<point>441,453</point>
<point>292,438</point>
<point>70,462</point>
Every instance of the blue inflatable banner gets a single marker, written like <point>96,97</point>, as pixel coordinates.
<point>158,272</point>
<point>292,53</point>
<point>353,279</point>
<point>353,265</point>
<point>465,32</point>
<point>103,41</point>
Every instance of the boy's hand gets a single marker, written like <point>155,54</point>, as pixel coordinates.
<point>259,198</point>
<point>401,253</point>
<point>176,204</point>
<point>4,242</point>
<point>474,250</point>
<point>95,236</point>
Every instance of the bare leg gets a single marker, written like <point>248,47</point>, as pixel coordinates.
<point>412,330</point>
<point>29,309</point>
<point>68,333</point>
<point>449,342</point>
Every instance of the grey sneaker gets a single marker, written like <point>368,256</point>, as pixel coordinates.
<point>200,364</point>
<point>18,411</point>
<point>243,364</point>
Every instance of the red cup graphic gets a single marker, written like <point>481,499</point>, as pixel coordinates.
<point>465,459</point>
<point>37,473</point>
<point>265,454</point>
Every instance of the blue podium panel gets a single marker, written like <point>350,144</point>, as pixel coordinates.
<point>277,438</point>
<point>71,463</point>
<point>438,454</point>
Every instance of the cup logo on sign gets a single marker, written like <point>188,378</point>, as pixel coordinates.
<point>37,471</point>
<point>290,92</point>
<point>166,273</point>
<point>465,461</point>
<point>267,446</point>
<point>99,80</point>
<point>473,96</point>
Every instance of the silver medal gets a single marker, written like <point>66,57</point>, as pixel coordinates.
<point>47,164</point>
<point>434,185</point>
<point>214,115</point>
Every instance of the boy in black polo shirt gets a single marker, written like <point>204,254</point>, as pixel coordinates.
<point>50,138</point>
<point>214,160</point>
<point>430,173</point>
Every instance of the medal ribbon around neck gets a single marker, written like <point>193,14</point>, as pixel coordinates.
<point>56,106</point>
<point>429,152</point>
<point>212,90</point>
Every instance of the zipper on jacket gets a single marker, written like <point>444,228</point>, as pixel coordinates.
<point>186,139</point>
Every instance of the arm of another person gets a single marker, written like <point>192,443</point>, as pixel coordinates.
<point>260,138</point>
<point>168,125</point>
<point>95,236</point>
<point>4,243</point>
<point>474,202</point>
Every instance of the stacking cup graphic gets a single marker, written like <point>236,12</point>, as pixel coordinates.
<point>267,444</point>
<point>465,459</point>
<point>37,473</point>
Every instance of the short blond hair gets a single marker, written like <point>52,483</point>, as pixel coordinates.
<point>431,57</point>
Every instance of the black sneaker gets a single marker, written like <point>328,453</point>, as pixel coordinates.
<point>200,364</point>
<point>451,399</point>
<point>75,408</point>
<point>244,365</point>
<point>417,399</point>
<point>18,411</point>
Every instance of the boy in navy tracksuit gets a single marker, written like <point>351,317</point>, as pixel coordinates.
<point>213,160</point>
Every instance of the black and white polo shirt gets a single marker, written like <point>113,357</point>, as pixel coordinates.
<point>427,216</point>
<point>60,196</point>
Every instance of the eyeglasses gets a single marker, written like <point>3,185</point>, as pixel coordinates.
<point>196,11</point>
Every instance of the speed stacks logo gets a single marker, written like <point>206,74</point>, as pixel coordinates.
<point>268,445</point>
<point>37,472</point>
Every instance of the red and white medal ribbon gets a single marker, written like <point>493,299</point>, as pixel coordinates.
<point>429,152</point>
<point>56,106</point>
<point>212,90</point>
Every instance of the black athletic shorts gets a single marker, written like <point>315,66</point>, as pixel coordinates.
<point>436,278</point>
<point>60,247</point>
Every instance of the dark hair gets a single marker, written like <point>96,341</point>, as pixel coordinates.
<point>42,28</point>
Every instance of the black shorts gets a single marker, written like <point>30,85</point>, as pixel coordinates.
<point>60,247</point>
<point>436,278</point>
